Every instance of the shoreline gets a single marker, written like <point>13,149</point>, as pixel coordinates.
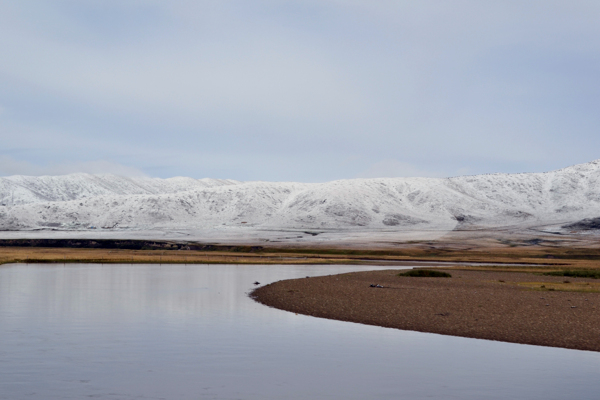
<point>10,255</point>
<point>509,278</point>
<point>130,251</point>
<point>514,307</point>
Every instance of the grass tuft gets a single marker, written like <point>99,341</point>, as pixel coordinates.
<point>425,273</point>
<point>581,273</point>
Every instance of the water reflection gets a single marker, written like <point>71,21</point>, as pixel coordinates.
<point>188,332</point>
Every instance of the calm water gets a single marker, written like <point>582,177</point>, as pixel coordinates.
<point>191,332</point>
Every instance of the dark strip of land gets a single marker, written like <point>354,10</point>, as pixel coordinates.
<point>513,307</point>
<point>148,251</point>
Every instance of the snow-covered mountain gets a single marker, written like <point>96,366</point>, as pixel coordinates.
<point>80,201</point>
<point>16,190</point>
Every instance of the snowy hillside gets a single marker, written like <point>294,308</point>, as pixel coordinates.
<point>16,190</point>
<point>107,202</point>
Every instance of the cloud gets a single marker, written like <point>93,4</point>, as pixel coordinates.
<point>395,169</point>
<point>256,69</point>
<point>10,166</point>
<point>253,90</point>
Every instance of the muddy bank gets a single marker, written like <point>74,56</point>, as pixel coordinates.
<point>476,304</point>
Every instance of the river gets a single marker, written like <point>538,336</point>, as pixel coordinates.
<point>110,331</point>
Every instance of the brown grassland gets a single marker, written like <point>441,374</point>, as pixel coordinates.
<point>533,259</point>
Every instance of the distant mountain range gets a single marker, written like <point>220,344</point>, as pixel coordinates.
<point>81,202</point>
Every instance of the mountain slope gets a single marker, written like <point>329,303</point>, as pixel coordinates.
<point>76,202</point>
<point>18,189</point>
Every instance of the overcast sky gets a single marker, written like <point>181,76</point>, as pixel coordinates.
<point>298,90</point>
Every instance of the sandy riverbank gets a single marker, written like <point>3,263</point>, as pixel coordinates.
<point>505,306</point>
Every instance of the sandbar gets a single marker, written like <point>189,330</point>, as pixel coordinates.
<point>513,307</point>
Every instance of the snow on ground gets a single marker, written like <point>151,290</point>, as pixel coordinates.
<point>423,207</point>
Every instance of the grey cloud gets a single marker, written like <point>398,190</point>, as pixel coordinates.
<point>10,166</point>
<point>391,168</point>
<point>292,90</point>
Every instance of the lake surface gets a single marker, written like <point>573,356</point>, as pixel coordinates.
<point>79,331</point>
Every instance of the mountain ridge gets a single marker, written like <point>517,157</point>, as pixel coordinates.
<point>77,202</point>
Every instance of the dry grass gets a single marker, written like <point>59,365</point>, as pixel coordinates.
<point>69,255</point>
<point>583,258</point>
<point>588,287</point>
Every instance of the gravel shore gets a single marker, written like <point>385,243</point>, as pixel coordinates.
<point>476,304</point>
